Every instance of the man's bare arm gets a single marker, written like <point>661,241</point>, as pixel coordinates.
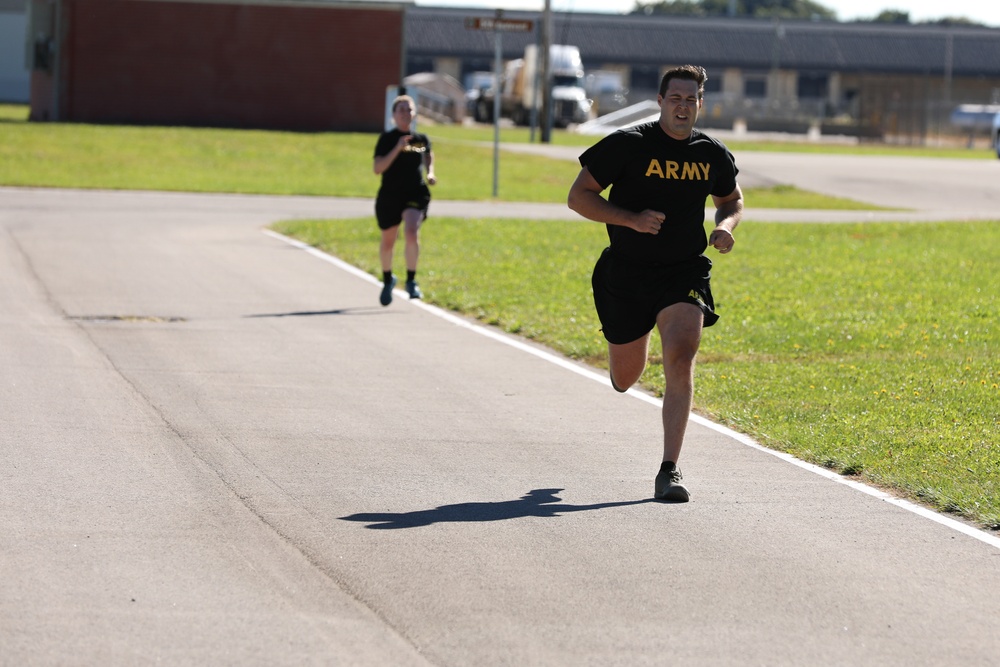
<point>585,198</point>
<point>728,213</point>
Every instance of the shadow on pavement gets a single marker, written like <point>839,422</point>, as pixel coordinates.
<point>538,502</point>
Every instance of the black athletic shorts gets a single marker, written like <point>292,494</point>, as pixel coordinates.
<point>389,206</point>
<point>629,296</point>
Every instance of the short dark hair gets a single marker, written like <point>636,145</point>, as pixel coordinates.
<point>687,72</point>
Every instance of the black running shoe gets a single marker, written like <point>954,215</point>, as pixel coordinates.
<point>413,289</point>
<point>386,298</point>
<point>669,487</point>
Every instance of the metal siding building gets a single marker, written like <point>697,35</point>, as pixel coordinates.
<point>868,79</point>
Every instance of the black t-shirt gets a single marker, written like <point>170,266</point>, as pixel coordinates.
<point>404,173</point>
<point>647,169</point>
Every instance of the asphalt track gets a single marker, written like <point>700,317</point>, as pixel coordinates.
<point>217,449</point>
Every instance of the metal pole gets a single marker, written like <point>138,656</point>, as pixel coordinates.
<point>545,53</point>
<point>496,111</point>
<point>57,69</point>
<point>536,85</point>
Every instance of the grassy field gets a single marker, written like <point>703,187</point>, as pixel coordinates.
<point>871,349</point>
<point>290,163</point>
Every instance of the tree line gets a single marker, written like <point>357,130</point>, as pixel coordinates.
<point>779,9</point>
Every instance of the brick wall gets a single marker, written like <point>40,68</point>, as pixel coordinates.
<point>291,67</point>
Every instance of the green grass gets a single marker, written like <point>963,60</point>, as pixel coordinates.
<point>242,161</point>
<point>788,196</point>
<point>69,155</point>
<point>13,113</point>
<point>870,349</point>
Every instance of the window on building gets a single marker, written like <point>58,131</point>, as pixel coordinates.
<point>416,65</point>
<point>755,86</point>
<point>813,86</point>
<point>645,78</point>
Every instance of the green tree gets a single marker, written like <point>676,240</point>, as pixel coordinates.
<point>892,16</point>
<point>900,17</point>
<point>673,8</point>
<point>955,21</point>
<point>789,9</point>
<point>784,9</point>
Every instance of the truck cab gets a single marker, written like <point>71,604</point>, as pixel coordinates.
<point>570,103</point>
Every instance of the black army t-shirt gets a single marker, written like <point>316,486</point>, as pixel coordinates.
<point>647,169</point>
<point>404,173</point>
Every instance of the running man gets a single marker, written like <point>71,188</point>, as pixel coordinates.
<point>655,272</point>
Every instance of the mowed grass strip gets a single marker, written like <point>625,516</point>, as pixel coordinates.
<point>249,162</point>
<point>871,349</point>
<point>65,155</point>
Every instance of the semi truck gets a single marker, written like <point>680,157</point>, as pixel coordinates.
<point>976,118</point>
<point>521,91</point>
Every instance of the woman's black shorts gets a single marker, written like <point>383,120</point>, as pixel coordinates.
<point>629,296</point>
<point>389,205</point>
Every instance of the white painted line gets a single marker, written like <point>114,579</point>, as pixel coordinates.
<point>496,335</point>
<point>963,528</point>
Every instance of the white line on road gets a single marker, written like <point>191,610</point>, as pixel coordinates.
<point>496,335</point>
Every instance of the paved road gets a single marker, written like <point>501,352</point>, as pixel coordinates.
<point>217,449</point>
<point>925,189</point>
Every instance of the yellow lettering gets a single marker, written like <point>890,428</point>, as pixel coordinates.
<point>687,171</point>
<point>690,172</point>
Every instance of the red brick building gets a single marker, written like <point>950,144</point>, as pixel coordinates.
<point>276,65</point>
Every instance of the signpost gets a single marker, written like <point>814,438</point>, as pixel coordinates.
<point>497,25</point>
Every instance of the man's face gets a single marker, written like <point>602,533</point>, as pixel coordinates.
<point>679,108</point>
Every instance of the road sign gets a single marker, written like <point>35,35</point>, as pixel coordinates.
<point>498,25</point>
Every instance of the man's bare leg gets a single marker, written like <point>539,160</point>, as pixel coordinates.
<point>626,362</point>
<point>680,328</point>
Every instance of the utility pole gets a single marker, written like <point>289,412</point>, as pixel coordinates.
<point>545,53</point>
<point>497,88</point>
